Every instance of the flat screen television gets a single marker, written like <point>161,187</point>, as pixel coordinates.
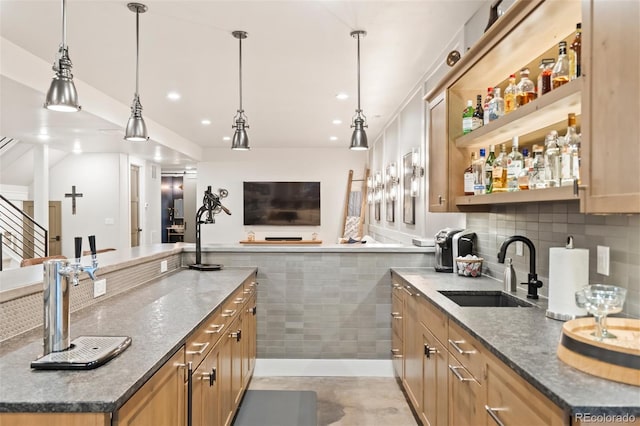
<point>282,203</point>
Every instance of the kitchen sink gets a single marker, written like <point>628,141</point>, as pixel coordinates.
<point>495,299</point>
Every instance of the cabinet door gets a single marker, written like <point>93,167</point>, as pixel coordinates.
<point>610,125</point>
<point>438,156</point>
<point>206,393</point>
<point>236,338</point>
<point>435,372</point>
<point>249,325</point>
<point>412,349</point>
<point>466,399</point>
<point>224,377</point>
<point>161,400</point>
<point>396,331</point>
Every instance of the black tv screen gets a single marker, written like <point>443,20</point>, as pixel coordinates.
<point>282,203</point>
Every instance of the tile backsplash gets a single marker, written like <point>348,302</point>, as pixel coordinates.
<point>548,225</point>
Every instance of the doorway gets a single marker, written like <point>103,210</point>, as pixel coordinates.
<point>135,206</point>
<point>54,231</point>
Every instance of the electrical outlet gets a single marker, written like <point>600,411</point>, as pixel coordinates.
<point>603,260</point>
<point>519,248</point>
<point>99,287</point>
<point>163,266</point>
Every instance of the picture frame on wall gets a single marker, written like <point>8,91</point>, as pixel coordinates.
<point>408,202</point>
<point>376,211</point>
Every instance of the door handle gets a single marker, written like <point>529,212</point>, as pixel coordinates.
<point>139,229</point>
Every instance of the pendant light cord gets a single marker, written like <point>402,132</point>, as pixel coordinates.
<point>359,73</point>
<point>240,72</point>
<point>64,24</point>
<point>137,46</point>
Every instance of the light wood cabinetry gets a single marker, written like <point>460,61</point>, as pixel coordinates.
<point>413,352</point>
<point>529,31</point>
<point>397,322</point>
<point>55,419</point>
<point>435,363</point>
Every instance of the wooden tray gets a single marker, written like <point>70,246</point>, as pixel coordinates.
<point>613,359</point>
<point>281,242</point>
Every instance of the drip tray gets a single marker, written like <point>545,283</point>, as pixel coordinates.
<point>86,352</point>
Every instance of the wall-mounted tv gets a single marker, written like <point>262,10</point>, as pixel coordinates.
<point>282,203</point>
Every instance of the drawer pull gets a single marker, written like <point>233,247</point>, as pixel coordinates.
<point>203,347</point>
<point>454,369</point>
<point>253,310</point>
<point>228,313</point>
<point>395,353</point>
<point>239,300</point>
<point>406,289</point>
<point>461,351</point>
<point>428,351</point>
<point>247,291</point>
<point>396,286</point>
<point>493,415</point>
<point>214,329</point>
<point>236,335</point>
<point>210,376</point>
<point>396,315</point>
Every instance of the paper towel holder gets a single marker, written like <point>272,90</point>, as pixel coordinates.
<point>559,315</point>
<point>569,242</point>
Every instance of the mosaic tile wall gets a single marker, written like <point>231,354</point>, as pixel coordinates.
<point>26,313</point>
<point>322,305</point>
<point>548,225</point>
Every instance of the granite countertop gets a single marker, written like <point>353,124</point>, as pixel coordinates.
<point>526,340</point>
<point>158,317</point>
<point>310,248</point>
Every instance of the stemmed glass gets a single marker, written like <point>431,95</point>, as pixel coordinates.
<point>601,300</point>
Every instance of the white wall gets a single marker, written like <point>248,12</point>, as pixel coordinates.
<point>227,169</point>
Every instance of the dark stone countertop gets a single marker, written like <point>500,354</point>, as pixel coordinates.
<point>526,340</point>
<point>158,316</point>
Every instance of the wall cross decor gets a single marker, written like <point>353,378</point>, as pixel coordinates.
<point>73,195</point>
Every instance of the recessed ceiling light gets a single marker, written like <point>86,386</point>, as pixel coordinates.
<point>226,138</point>
<point>43,137</point>
<point>336,121</point>
<point>77,148</point>
<point>333,138</point>
<point>174,96</point>
<point>342,96</point>
<point>205,122</point>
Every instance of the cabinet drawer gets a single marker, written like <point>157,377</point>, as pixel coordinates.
<point>466,350</point>
<point>203,339</point>
<point>396,315</point>
<point>434,319</point>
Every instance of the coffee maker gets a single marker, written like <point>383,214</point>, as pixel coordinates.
<point>451,243</point>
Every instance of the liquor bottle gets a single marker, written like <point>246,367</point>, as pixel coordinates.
<point>477,120</point>
<point>479,185</point>
<point>468,176</point>
<point>526,88</point>
<point>552,160</point>
<point>488,170</point>
<point>575,53</point>
<point>514,166</point>
<point>496,105</point>
<point>499,176</point>
<point>527,168</point>
<point>570,153</point>
<point>485,107</point>
<point>467,116</point>
<point>544,78</point>
<point>536,172</point>
<point>510,95</point>
<point>560,74</point>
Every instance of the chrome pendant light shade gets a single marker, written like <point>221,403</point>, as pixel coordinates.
<point>62,94</point>
<point>359,122</point>
<point>240,140</point>
<point>136,130</point>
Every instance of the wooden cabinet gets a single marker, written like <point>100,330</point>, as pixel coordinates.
<point>206,387</point>
<point>435,363</point>
<point>413,351</point>
<point>397,329</point>
<point>607,114</point>
<point>161,400</point>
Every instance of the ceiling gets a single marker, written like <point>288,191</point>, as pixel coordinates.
<point>297,58</point>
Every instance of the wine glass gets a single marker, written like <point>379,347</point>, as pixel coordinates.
<point>601,300</point>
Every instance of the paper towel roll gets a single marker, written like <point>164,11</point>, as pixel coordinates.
<point>568,273</point>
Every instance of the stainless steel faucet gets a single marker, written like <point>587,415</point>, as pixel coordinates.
<point>59,275</point>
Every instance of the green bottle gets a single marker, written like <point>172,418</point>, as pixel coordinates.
<point>467,118</point>
<point>488,169</point>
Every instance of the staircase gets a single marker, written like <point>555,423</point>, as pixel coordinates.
<point>22,238</point>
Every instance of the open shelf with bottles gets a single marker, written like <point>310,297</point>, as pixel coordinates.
<point>563,193</point>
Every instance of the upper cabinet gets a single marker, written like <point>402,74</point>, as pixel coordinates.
<point>604,99</point>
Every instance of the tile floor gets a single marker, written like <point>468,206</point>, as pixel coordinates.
<point>349,401</point>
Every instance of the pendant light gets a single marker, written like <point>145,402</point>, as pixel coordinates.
<point>359,122</point>
<point>62,95</point>
<point>240,140</point>
<point>136,130</point>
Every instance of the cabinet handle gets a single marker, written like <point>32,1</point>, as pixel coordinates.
<point>228,313</point>
<point>395,353</point>
<point>239,300</point>
<point>461,351</point>
<point>493,415</point>
<point>203,347</point>
<point>247,291</point>
<point>454,369</point>
<point>253,310</point>
<point>216,328</point>
<point>210,376</point>
<point>428,350</point>
<point>236,334</point>
<point>407,291</point>
<point>190,394</point>
<point>441,200</point>
<point>396,315</point>
<point>396,286</point>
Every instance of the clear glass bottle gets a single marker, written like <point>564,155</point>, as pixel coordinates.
<point>485,106</point>
<point>477,120</point>
<point>468,176</point>
<point>570,153</point>
<point>488,170</point>
<point>526,88</point>
<point>515,162</point>
<point>510,95</point>
<point>499,176</point>
<point>575,53</point>
<point>560,74</point>
<point>467,117</point>
<point>496,105</point>
<point>544,78</point>
<point>536,172</point>
<point>527,166</point>
<point>479,185</point>
<point>552,160</point>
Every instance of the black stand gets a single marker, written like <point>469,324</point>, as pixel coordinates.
<point>212,206</point>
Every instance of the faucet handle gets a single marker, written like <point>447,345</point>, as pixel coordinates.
<point>78,248</point>
<point>92,244</point>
